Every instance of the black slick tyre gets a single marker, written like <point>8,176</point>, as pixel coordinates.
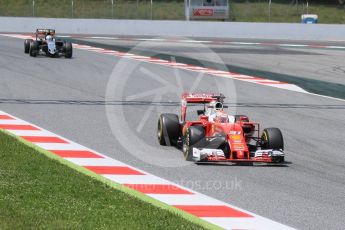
<point>272,139</point>
<point>169,129</point>
<point>68,50</point>
<point>27,45</point>
<point>194,137</point>
<point>33,51</point>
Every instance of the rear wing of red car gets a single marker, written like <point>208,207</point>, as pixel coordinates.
<point>202,97</point>
<point>197,98</point>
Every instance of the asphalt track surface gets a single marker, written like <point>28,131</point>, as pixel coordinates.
<point>68,97</point>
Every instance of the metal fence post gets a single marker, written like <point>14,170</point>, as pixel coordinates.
<point>269,10</point>
<point>151,8</point>
<point>33,8</point>
<point>72,5</point>
<point>307,7</point>
<point>112,9</point>
<point>186,9</point>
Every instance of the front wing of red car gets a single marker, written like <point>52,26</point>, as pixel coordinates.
<point>217,155</point>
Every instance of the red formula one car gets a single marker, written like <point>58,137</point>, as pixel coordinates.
<point>217,136</point>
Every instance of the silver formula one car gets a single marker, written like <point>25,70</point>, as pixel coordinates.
<point>46,43</point>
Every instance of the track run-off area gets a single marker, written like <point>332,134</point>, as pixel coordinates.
<point>110,102</point>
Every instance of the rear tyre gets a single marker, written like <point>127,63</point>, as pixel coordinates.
<point>169,129</point>
<point>27,45</point>
<point>238,118</point>
<point>68,50</point>
<point>248,128</point>
<point>33,51</point>
<point>193,138</point>
<point>272,139</point>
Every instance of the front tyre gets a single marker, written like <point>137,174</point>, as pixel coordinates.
<point>169,129</point>
<point>68,50</point>
<point>241,118</point>
<point>272,139</point>
<point>27,45</point>
<point>194,137</point>
<point>33,51</point>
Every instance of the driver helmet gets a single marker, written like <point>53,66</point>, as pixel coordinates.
<point>49,38</point>
<point>217,105</point>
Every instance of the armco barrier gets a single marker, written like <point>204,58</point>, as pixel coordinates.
<point>177,28</point>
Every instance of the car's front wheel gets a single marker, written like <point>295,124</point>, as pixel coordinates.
<point>169,129</point>
<point>194,137</point>
<point>68,50</point>
<point>27,45</point>
<point>272,138</point>
<point>33,51</point>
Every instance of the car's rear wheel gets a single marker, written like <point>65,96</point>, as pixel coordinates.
<point>272,139</point>
<point>169,129</point>
<point>193,138</point>
<point>33,49</point>
<point>27,45</point>
<point>68,49</point>
<point>241,118</point>
<point>248,128</point>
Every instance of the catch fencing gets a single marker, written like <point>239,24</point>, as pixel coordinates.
<point>240,10</point>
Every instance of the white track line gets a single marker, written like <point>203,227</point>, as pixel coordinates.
<point>186,199</point>
<point>96,162</point>
<point>137,179</point>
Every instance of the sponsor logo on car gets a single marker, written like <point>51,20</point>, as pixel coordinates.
<point>236,137</point>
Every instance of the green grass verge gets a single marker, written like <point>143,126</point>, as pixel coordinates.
<point>240,10</point>
<point>40,190</point>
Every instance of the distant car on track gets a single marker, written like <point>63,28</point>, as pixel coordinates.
<point>46,43</point>
<point>218,137</point>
